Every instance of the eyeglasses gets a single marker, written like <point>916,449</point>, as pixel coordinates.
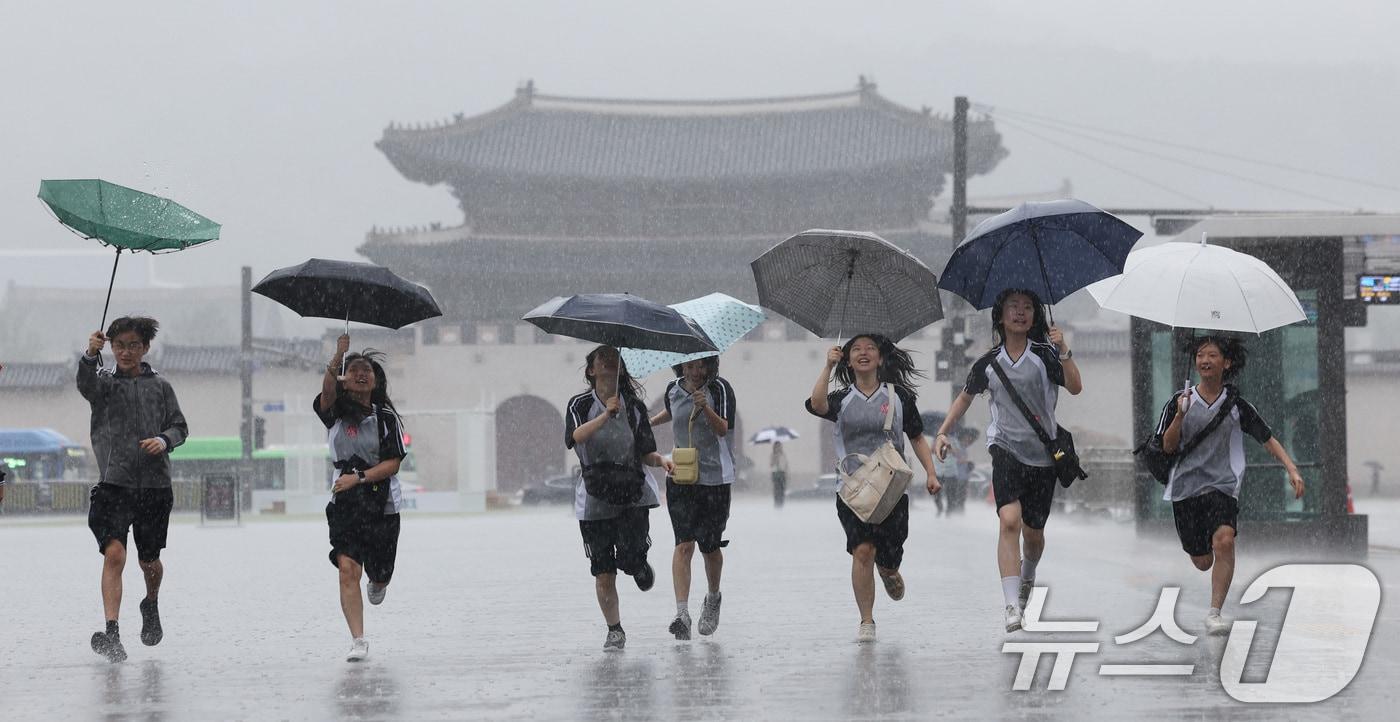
<point>120,347</point>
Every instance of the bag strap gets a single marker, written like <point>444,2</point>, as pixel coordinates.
<point>889,408</point>
<point>1219,418</point>
<point>1021,404</point>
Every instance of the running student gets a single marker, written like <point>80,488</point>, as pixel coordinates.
<point>1204,486</point>
<point>700,406</point>
<point>136,421</point>
<point>607,427</point>
<point>1037,361</point>
<point>874,375</point>
<point>366,444</point>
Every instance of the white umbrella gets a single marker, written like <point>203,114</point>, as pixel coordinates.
<point>1197,285</point>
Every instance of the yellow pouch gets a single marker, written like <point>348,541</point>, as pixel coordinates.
<point>687,461</point>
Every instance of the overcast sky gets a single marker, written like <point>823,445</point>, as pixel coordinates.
<point>263,115</point>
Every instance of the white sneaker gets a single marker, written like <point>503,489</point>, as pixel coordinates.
<point>359,649</point>
<point>866,634</point>
<point>376,592</point>
<point>1013,618</point>
<point>1025,594</point>
<point>709,615</point>
<point>1216,625</point>
<point>617,639</point>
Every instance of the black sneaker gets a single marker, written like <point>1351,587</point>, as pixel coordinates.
<point>151,633</point>
<point>109,645</point>
<point>645,577</point>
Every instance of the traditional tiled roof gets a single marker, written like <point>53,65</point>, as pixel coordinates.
<point>174,358</point>
<point>536,136</point>
<point>35,375</point>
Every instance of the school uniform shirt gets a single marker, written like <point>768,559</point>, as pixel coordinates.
<point>859,421</point>
<point>624,439</point>
<point>716,454</point>
<point>1217,463</point>
<point>373,433</point>
<point>1037,376</point>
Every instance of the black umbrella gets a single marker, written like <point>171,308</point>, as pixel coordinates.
<point>833,282</point>
<point>621,320</point>
<point>360,292</point>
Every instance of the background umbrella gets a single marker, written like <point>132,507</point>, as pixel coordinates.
<point>347,290</point>
<point>770,434</point>
<point>1197,285</point>
<point>125,219</point>
<point>831,282</point>
<point>621,320</point>
<point>1052,248</point>
<point>724,319</point>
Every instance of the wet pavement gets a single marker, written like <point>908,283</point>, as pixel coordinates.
<point>493,616</point>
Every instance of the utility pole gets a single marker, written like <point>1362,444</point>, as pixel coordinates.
<point>245,367</point>
<point>953,361</point>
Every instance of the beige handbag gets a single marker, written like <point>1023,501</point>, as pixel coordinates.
<point>873,490</point>
<point>687,460</point>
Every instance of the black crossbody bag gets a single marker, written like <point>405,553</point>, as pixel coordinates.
<point>1060,448</point>
<point>1159,463</point>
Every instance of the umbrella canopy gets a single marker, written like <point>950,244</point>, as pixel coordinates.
<point>1197,285</point>
<point>837,282</point>
<point>621,320</point>
<point>724,319</point>
<point>125,218</point>
<point>771,434</point>
<point>360,292</point>
<point>1052,248</point>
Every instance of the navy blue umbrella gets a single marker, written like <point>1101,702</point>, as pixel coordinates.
<point>1052,248</point>
<point>621,320</point>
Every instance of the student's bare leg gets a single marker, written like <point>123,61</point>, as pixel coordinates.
<point>681,560</point>
<point>605,585</point>
<point>863,579</point>
<point>113,562</point>
<point>714,568</point>
<point>1009,540</point>
<point>1223,544</point>
<point>351,601</point>
<point>154,572</point>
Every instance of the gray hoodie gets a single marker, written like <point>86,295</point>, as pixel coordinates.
<point>126,410</point>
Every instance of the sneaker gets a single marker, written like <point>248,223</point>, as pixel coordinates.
<point>617,639</point>
<point>1216,624</point>
<point>709,616</point>
<point>359,650</point>
<point>680,626</point>
<point>109,645</point>
<point>376,592</point>
<point>894,585</point>
<point>866,635</point>
<point>644,577</point>
<point>1013,618</point>
<point>151,633</point>
<point>1025,596</point>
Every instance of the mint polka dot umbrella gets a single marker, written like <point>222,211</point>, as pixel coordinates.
<point>724,318</point>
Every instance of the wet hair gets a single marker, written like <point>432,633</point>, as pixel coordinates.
<point>380,395</point>
<point>631,388</point>
<point>896,365</point>
<point>711,368</point>
<point>1230,347</point>
<point>144,327</point>
<point>1040,326</point>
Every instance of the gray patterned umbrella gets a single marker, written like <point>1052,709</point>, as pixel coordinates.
<point>846,282</point>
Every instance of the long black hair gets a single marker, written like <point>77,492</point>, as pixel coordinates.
<point>896,365</point>
<point>1230,347</point>
<point>1040,325</point>
<point>380,394</point>
<point>630,388</point>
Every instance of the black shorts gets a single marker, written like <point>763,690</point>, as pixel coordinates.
<point>1033,486</point>
<point>1199,516</point>
<point>146,512</point>
<point>371,540</point>
<point>699,514</point>
<point>621,542</point>
<point>888,536</point>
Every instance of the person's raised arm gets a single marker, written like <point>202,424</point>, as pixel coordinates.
<point>328,379</point>
<point>1074,383</point>
<point>89,383</point>
<point>819,390</point>
<point>1171,436</point>
<point>585,431</point>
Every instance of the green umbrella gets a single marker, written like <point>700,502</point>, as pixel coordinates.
<point>125,219</point>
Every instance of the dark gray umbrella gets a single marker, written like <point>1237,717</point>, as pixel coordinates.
<point>621,320</point>
<point>837,282</point>
<point>360,292</point>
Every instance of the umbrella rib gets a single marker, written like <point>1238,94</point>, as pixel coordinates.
<point>1245,297</point>
<point>1181,288</point>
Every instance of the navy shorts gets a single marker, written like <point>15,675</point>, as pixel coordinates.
<point>699,513</point>
<point>621,542</point>
<point>113,510</point>
<point>372,540</point>
<point>1033,486</point>
<point>1199,516</point>
<point>888,536</point>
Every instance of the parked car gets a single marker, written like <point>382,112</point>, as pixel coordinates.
<point>558,490</point>
<point>823,488</point>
